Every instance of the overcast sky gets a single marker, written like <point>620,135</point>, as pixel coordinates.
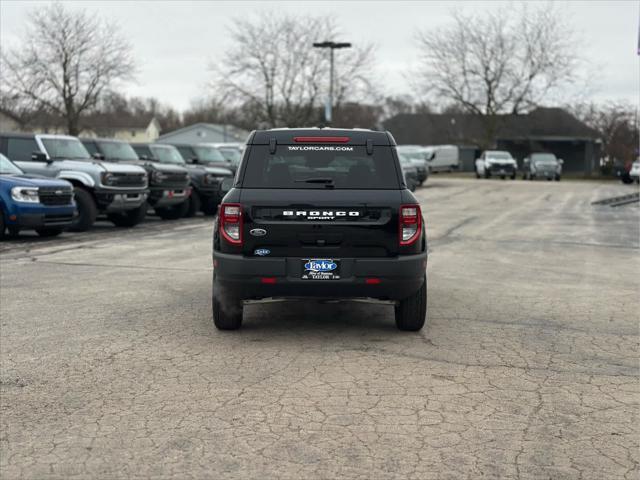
<point>174,42</point>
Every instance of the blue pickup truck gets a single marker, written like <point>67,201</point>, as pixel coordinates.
<point>30,203</point>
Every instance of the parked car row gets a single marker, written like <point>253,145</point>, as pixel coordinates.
<point>501,163</point>
<point>107,177</point>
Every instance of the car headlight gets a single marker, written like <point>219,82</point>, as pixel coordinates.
<point>108,178</point>
<point>158,177</point>
<point>25,194</point>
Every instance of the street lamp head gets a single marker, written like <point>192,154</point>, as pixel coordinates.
<point>332,45</point>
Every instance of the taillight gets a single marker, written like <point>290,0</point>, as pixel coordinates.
<point>321,139</point>
<point>231,222</point>
<point>410,223</point>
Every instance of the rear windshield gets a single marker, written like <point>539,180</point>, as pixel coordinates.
<point>321,166</point>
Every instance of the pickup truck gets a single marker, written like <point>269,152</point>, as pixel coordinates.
<point>30,203</point>
<point>118,191</point>
<point>320,213</point>
<point>205,180</point>
<point>168,184</point>
<point>496,162</point>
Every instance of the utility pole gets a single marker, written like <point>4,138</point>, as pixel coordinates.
<point>331,46</point>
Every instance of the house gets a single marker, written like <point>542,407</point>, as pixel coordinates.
<point>205,133</point>
<point>123,126</point>
<point>544,129</point>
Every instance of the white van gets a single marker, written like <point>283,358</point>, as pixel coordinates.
<point>442,158</point>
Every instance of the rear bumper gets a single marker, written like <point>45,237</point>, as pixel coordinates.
<point>242,277</point>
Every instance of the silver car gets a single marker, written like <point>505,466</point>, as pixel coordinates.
<point>542,165</point>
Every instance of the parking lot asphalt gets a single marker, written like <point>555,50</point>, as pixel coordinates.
<point>528,368</point>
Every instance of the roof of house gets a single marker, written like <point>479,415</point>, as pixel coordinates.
<point>218,128</point>
<point>435,129</point>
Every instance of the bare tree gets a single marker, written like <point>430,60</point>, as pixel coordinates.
<point>67,61</point>
<point>617,124</point>
<point>507,61</point>
<point>272,68</point>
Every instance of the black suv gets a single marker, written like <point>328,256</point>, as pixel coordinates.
<point>206,181</point>
<point>204,154</point>
<point>321,213</point>
<point>168,184</point>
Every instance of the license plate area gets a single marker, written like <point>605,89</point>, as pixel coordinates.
<point>320,269</point>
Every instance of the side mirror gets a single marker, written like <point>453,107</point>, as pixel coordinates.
<point>194,160</point>
<point>143,157</point>
<point>40,157</point>
<point>561,161</point>
<point>98,156</point>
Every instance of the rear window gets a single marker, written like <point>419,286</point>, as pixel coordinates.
<point>321,166</point>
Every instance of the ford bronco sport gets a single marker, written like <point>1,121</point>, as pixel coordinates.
<point>321,213</point>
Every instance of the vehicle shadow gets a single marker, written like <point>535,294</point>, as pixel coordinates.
<point>309,316</point>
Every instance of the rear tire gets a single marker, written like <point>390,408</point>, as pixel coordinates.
<point>411,312</point>
<point>48,232</point>
<point>194,204</point>
<point>129,218</point>
<point>209,206</point>
<point>226,309</point>
<point>173,212</point>
<point>87,210</point>
<point>557,178</point>
<point>487,174</point>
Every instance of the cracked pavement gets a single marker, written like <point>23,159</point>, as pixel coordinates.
<point>528,368</point>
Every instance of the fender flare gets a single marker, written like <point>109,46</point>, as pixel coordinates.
<point>84,178</point>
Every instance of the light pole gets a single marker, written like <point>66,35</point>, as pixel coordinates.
<point>331,46</point>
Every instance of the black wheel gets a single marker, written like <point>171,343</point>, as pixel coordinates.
<point>129,218</point>
<point>48,232</point>
<point>227,310</point>
<point>209,206</point>
<point>411,312</point>
<point>626,178</point>
<point>513,176</point>
<point>557,178</point>
<point>194,203</point>
<point>2,226</point>
<point>13,231</point>
<point>87,210</point>
<point>487,173</point>
<point>532,177</point>
<point>502,177</point>
<point>173,212</point>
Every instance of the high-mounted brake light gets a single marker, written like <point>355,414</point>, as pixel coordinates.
<point>321,139</point>
<point>230,221</point>
<point>409,224</point>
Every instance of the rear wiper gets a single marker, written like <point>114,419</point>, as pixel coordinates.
<point>316,180</point>
<point>327,181</point>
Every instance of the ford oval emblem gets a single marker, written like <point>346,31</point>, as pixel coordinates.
<point>320,265</point>
<point>258,232</point>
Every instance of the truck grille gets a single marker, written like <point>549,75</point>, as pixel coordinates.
<point>55,196</point>
<point>179,178</point>
<point>128,180</point>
